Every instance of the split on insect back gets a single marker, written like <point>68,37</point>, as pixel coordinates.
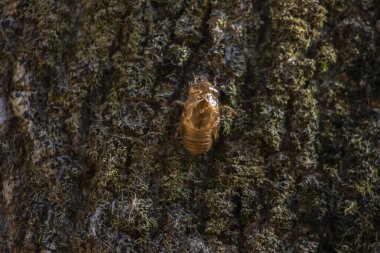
<point>200,117</point>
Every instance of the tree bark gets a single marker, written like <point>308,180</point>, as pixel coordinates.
<point>88,158</point>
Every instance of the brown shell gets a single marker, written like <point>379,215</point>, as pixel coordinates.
<point>200,118</point>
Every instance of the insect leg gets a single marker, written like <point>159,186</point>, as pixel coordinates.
<point>215,134</point>
<point>178,131</point>
<point>178,102</point>
<point>215,130</point>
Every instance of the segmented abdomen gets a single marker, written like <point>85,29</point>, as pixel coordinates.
<point>197,141</point>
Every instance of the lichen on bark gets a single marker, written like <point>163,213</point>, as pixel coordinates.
<point>88,158</point>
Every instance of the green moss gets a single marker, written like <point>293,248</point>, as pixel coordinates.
<point>173,188</point>
<point>178,55</point>
<point>219,208</point>
<point>189,25</point>
<point>91,164</point>
<point>264,241</point>
<point>325,57</point>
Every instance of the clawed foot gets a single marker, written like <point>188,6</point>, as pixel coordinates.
<point>178,102</point>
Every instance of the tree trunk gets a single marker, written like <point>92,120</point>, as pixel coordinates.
<point>88,158</point>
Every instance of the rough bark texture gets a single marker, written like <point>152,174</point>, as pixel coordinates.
<point>88,160</point>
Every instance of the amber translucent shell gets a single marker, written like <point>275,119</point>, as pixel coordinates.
<point>199,123</point>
